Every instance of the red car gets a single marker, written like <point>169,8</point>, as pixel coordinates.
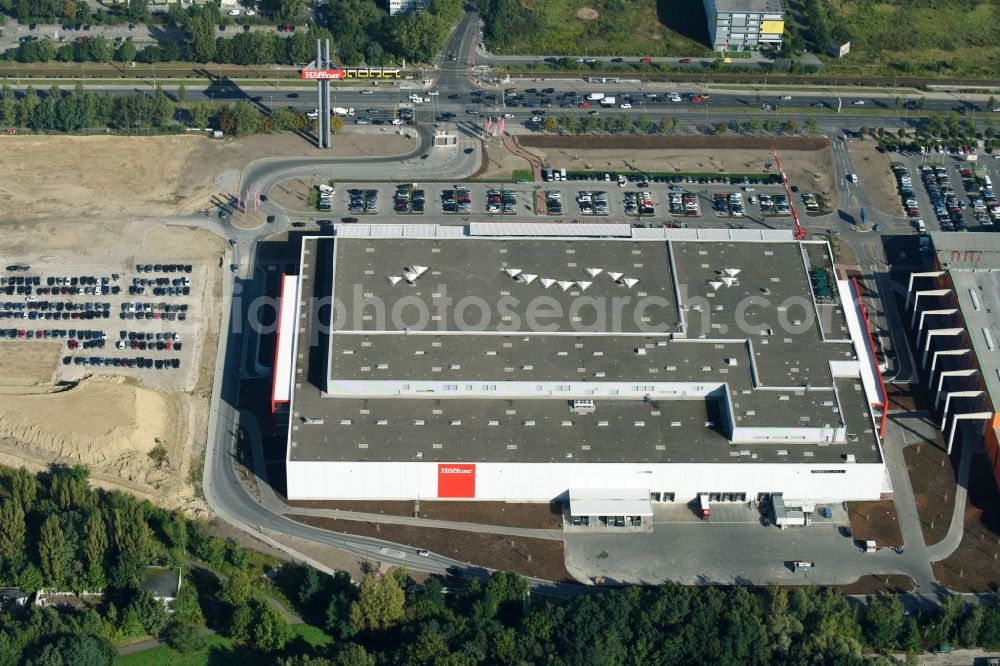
<point>695,99</point>
<point>647,61</point>
<point>685,61</point>
<point>584,105</point>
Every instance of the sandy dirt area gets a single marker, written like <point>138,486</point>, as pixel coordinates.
<point>811,170</point>
<point>875,174</point>
<point>83,177</point>
<point>108,424</point>
<point>27,364</point>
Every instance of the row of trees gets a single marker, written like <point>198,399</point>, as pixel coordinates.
<point>247,48</point>
<point>57,532</point>
<point>78,110</point>
<point>27,11</point>
<point>643,124</point>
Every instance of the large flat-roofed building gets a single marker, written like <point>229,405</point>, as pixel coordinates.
<point>505,362</point>
<point>738,25</point>
<point>954,310</point>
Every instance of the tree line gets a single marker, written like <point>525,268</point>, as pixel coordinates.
<point>57,532</point>
<point>79,110</point>
<point>361,32</point>
<point>643,124</point>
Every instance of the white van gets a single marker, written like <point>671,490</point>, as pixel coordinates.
<point>853,177</point>
<point>921,227</point>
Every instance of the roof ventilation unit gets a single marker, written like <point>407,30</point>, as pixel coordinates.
<point>583,284</point>
<point>615,276</point>
<point>593,272</point>
<point>629,282</point>
<point>565,284</point>
<point>527,278</point>
<point>546,282</point>
<point>582,407</point>
<point>393,279</point>
<point>513,272</point>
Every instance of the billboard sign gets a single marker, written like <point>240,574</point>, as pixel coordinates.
<point>322,74</point>
<point>457,481</point>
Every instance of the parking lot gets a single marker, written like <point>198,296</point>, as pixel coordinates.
<point>675,201</point>
<point>139,320</point>
<point>950,196</point>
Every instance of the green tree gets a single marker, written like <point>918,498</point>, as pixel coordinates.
<point>236,591</point>
<point>75,650</point>
<point>95,545</point>
<point>336,124</point>
<point>675,125</point>
<point>270,631</point>
<point>146,612</point>
<point>183,637</point>
<point>721,128</point>
<point>755,125</point>
<point>201,113</point>
<point>69,487</point>
<point>352,654</point>
<point>246,118</point>
<point>971,626</point>
<point>126,52</point>
<point>51,553</point>
<point>12,529</point>
<point>883,621</point>
<point>181,93</point>
<point>289,9</point>
<point>791,127</point>
<point>185,605</point>
<point>380,604</point>
<point>642,124</point>
<point>23,485</point>
<point>201,38</point>
<point>811,125</point>
<point>909,636</point>
<point>550,124</point>
<point>131,535</point>
<point>138,10</point>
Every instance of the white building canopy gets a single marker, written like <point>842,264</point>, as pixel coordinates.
<point>609,502</point>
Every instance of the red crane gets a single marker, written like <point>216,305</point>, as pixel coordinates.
<point>800,233</point>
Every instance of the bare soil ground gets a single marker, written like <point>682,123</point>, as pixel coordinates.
<point>529,557</point>
<point>876,176</point>
<point>87,177</point>
<point>891,583</point>
<point>875,521</point>
<point>933,478</point>
<point>975,566</point>
<point>27,364</point>
<point>529,515</point>
<point>808,162</point>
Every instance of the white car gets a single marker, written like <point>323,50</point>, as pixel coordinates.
<point>676,98</point>
<point>397,121</point>
<point>313,114</point>
<point>433,93</point>
<point>858,102</point>
<point>785,97</point>
<point>369,92</point>
<point>508,115</point>
<point>626,105</point>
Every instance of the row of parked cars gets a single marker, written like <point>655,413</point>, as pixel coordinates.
<point>72,334</point>
<point>728,204</point>
<point>163,268</point>
<point>143,310</point>
<point>137,362</point>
